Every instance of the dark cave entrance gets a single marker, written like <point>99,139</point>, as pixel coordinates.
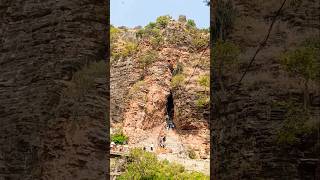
<point>170,109</point>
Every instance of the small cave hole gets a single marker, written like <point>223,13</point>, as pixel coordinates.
<point>170,111</point>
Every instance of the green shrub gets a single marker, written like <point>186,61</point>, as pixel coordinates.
<point>195,176</point>
<point>297,123</point>
<point>151,25</point>
<point>137,86</point>
<point>83,80</point>
<point>191,23</point>
<point>163,21</point>
<point>148,58</point>
<point>119,138</point>
<point>128,49</point>
<point>114,55</point>
<point>140,33</point>
<point>155,32</point>
<point>114,32</point>
<point>203,100</point>
<point>177,80</point>
<point>204,81</point>
<point>150,32</point>
<point>205,30</point>
<point>226,53</point>
<point>81,83</point>
<point>198,41</point>
<point>178,69</point>
<point>305,62</point>
<point>145,165</point>
<point>156,41</point>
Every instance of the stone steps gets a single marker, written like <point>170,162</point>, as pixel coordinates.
<point>173,142</point>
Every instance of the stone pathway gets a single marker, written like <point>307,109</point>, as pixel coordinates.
<point>179,155</point>
<point>190,164</point>
<point>173,142</point>
<point>178,152</point>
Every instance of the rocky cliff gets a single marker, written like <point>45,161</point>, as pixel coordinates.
<point>153,67</point>
<point>249,136</point>
<point>42,135</point>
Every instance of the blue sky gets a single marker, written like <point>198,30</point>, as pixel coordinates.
<point>132,13</point>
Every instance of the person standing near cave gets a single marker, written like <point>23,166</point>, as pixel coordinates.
<point>163,140</point>
<point>161,143</point>
<point>167,122</point>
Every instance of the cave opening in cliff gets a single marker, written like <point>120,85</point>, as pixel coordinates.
<point>170,107</point>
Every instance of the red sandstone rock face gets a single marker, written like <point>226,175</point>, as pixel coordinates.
<point>144,111</point>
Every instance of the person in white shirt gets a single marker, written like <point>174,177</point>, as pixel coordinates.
<point>112,145</point>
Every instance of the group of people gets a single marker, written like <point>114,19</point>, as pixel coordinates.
<point>151,148</point>
<point>162,139</point>
<point>170,124</point>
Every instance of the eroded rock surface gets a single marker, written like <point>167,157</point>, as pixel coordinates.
<point>42,44</point>
<point>246,124</point>
<point>144,99</point>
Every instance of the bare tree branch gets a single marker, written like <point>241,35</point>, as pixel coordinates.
<point>263,43</point>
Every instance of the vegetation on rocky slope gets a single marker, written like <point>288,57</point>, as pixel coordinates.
<point>81,83</point>
<point>203,97</point>
<point>305,63</point>
<point>279,140</point>
<point>145,44</point>
<point>163,32</point>
<point>298,124</point>
<point>83,80</point>
<point>171,60</point>
<point>145,165</point>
